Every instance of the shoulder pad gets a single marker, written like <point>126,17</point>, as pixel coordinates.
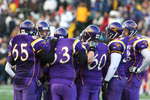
<point>116,46</point>
<point>140,44</point>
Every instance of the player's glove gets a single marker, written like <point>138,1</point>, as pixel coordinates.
<point>134,69</point>
<point>104,89</point>
<point>105,86</point>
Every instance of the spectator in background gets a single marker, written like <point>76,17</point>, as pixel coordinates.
<point>3,28</point>
<point>115,16</point>
<point>104,22</point>
<point>106,6</point>
<point>3,6</point>
<point>10,23</point>
<point>12,7</point>
<point>97,18</point>
<point>3,54</point>
<point>82,15</point>
<point>50,5</point>
<point>66,18</point>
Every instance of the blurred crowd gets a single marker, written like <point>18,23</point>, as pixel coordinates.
<point>74,15</point>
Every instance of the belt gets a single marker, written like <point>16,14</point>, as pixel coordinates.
<point>117,76</point>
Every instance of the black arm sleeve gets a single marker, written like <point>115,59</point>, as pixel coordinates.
<point>82,59</point>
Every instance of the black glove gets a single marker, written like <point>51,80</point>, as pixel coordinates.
<point>53,43</point>
<point>104,89</point>
<point>105,86</point>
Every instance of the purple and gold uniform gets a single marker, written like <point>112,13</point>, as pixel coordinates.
<point>118,82</point>
<point>135,45</point>
<point>21,55</point>
<point>42,45</point>
<point>62,72</point>
<point>92,75</point>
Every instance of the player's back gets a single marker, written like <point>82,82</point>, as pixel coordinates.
<point>21,49</point>
<point>22,55</point>
<point>63,67</point>
<point>93,73</point>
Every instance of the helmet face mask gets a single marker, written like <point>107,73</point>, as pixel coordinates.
<point>86,36</point>
<point>130,28</point>
<point>91,33</point>
<point>44,33</point>
<point>114,30</point>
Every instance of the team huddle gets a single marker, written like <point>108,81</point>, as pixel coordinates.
<point>82,68</point>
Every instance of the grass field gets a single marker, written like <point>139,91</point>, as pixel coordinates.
<point>6,93</point>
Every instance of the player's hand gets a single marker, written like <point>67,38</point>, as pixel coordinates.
<point>104,90</point>
<point>105,86</point>
<point>90,57</point>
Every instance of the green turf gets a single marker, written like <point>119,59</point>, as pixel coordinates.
<point>6,93</point>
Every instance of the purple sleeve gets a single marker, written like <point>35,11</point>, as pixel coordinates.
<point>40,45</point>
<point>140,44</point>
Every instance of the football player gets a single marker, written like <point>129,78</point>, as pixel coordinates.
<point>21,54</point>
<point>62,72</point>
<point>138,58</point>
<point>44,48</point>
<point>43,30</point>
<point>115,78</point>
<point>97,56</point>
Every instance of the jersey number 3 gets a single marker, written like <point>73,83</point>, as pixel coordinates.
<point>65,57</point>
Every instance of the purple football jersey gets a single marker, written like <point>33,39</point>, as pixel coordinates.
<point>135,45</point>
<point>63,69</point>
<point>134,58</point>
<point>93,73</point>
<point>22,55</point>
